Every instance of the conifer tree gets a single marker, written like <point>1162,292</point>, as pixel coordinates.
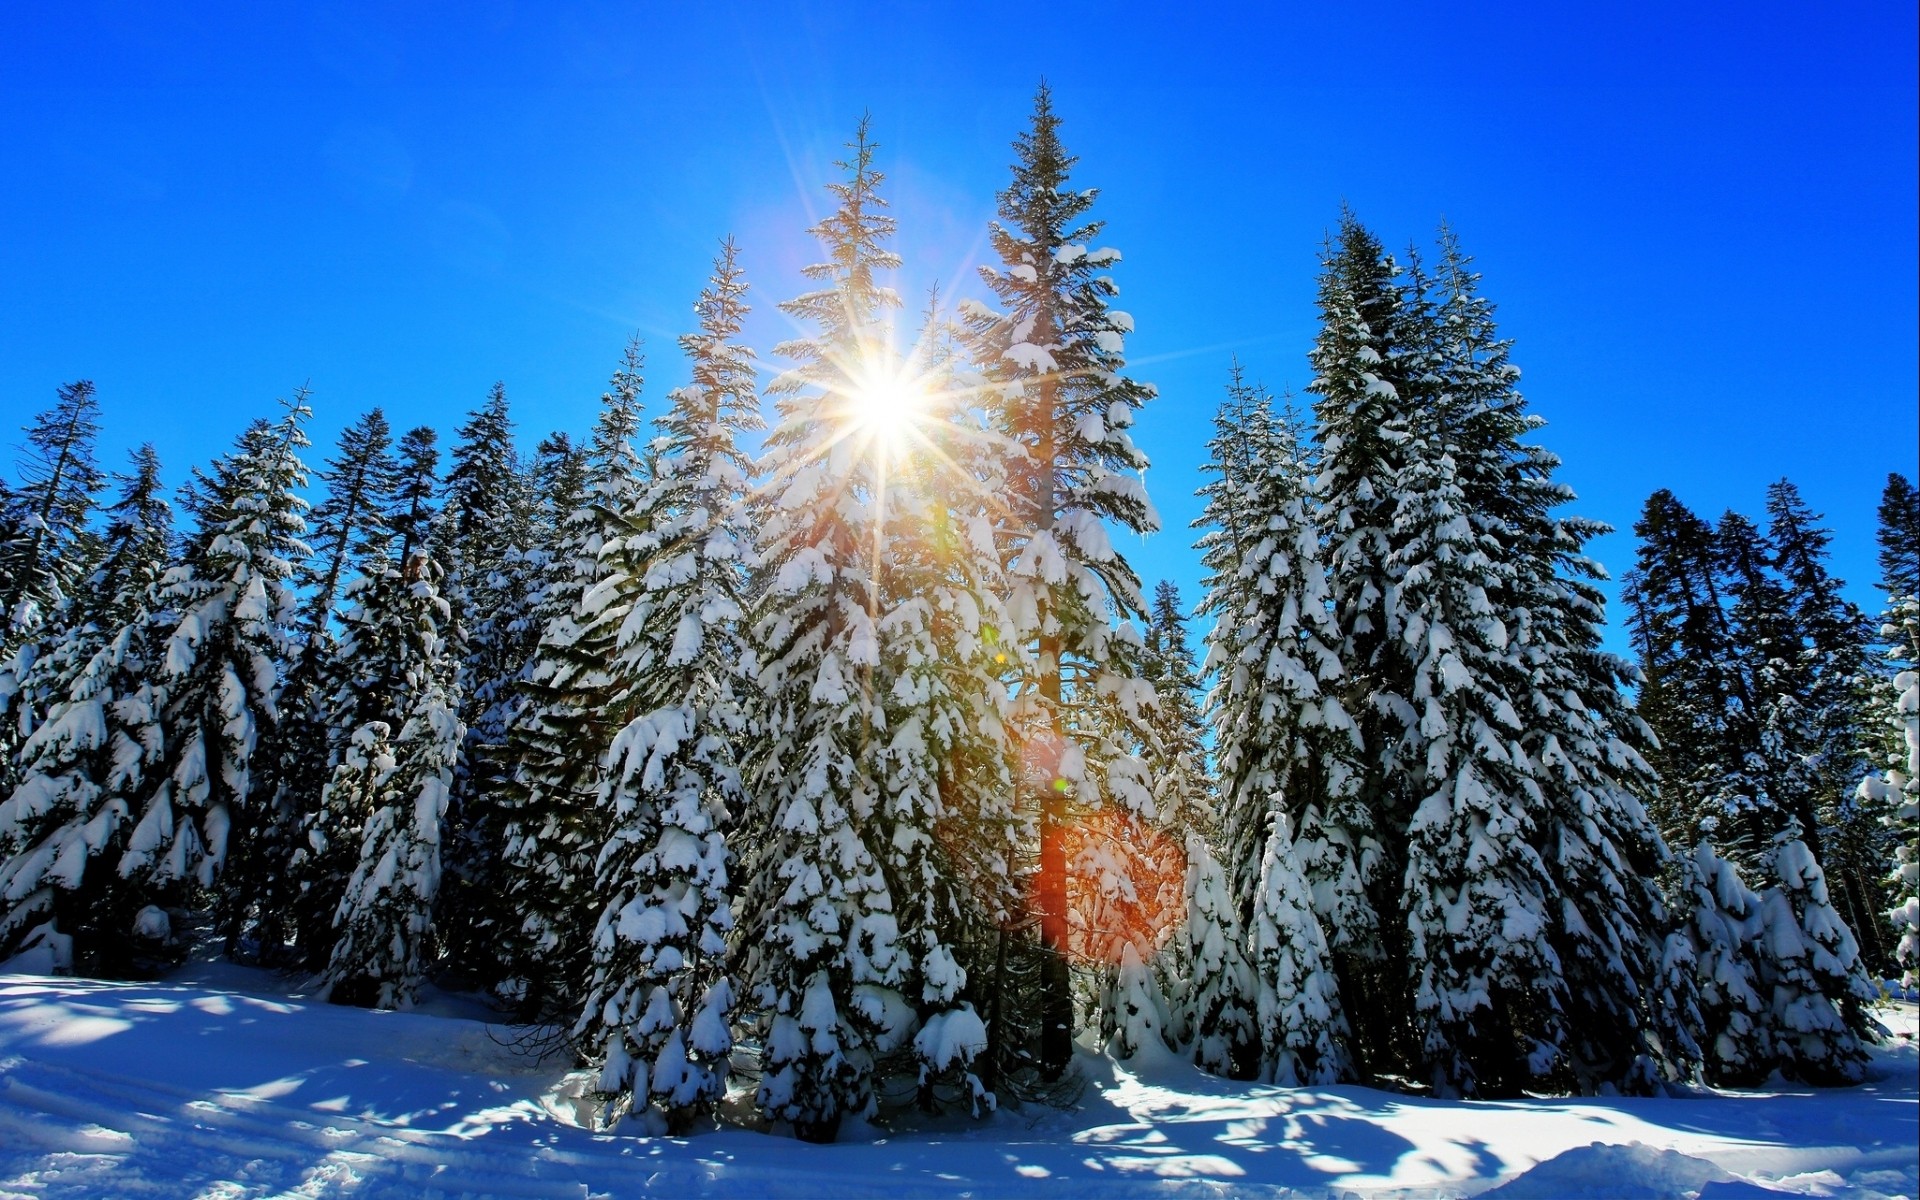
<point>1893,794</point>
<point>416,482</point>
<point>1600,850</point>
<point>1829,680</point>
<point>575,697</point>
<point>1301,1031</point>
<point>481,535</point>
<point>1052,366</point>
<point>384,923</point>
<point>1721,916</point>
<point>821,939</point>
<point>1221,998</point>
<point>61,837</point>
<point>44,558</point>
<point>229,612</point>
<point>662,995</point>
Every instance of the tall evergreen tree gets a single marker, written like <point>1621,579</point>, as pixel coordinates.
<point>1893,794</point>
<point>1052,365</point>
<point>58,481</point>
<point>229,613</point>
<point>575,697</point>
<point>818,926</point>
<point>384,922</point>
<point>60,836</point>
<point>661,991</point>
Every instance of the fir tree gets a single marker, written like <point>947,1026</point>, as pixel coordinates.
<point>229,612</point>
<point>662,993</point>
<point>1052,365</point>
<point>43,559</point>
<point>1221,997</point>
<point>60,837</point>
<point>818,923</point>
<point>416,466</point>
<point>1893,793</point>
<point>1301,1031</point>
<point>385,930</point>
<point>574,698</point>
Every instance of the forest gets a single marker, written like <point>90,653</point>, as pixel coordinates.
<point>818,720</point>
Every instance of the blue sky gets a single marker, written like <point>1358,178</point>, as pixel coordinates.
<point>1700,232</point>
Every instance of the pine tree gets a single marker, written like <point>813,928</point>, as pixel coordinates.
<point>662,993</point>
<point>1301,1031</point>
<point>1180,776</point>
<point>416,482</point>
<point>1221,997</point>
<point>60,837</point>
<point>821,940</point>
<point>1689,692</point>
<point>574,698</point>
<point>1051,362</point>
<point>44,559</point>
<point>482,536</point>
<point>1600,851</point>
<point>228,613</point>
<point>1830,682</point>
<point>1721,918</point>
<point>1894,793</point>
<point>384,921</point>
<point>1810,974</point>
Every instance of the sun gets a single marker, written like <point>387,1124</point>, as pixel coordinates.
<point>886,403</point>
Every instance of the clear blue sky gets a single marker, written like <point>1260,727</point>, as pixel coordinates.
<point>1698,220</point>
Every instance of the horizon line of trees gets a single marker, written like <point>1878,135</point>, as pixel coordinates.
<point>873,749</point>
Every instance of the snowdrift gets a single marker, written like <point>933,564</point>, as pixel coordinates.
<point>224,1088</point>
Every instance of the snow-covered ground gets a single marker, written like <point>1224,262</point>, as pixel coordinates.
<point>214,1084</point>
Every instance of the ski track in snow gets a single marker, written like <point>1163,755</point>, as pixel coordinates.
<point>171,1090</point>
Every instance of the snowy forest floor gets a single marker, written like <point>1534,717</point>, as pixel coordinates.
<point>217,1082</point>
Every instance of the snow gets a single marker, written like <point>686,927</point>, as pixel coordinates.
<point>230,1087</point>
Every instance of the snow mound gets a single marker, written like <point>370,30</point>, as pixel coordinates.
<point>1631,1172</point>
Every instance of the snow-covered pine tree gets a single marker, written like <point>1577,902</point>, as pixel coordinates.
<point>945,834</point>
<point>1894,793</point>
<point>1221,998</point>
<point>347,528</point>
<point>1052,366</point>
<point>576,695</point>
<point>817,923</point>
<point>1488,999</point>
<point>1300,1030</point>
<point>1689,694</point>
<point>44,559</point>
<point>1279,726</point>
<point>1830,678</point>
<point>385,929</point>
<point>1597,844</point>
<point>1810,974</point>
<point>1181,787</point>
<point>661,994</point>
<point>483,535</point>
<point>224,621</point>
<point>1720,920</point>
<point>1768,794</point>
<point>60,837</point>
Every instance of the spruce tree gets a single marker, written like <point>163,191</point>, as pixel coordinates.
<point>1301,1030</point>
<point>60,838</point>
<point>229,610</point>
<point>1893,793</point>
<point>1600,850</point>
<point>44,559</point>
<point>482,535</point>
<point>1221,997</point>
<point>661,997</point>
<point>818,928</point>
<point>1830,678</point>
<point>385,941</point>
<point>1052,366</point>
<point>574,698</point>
